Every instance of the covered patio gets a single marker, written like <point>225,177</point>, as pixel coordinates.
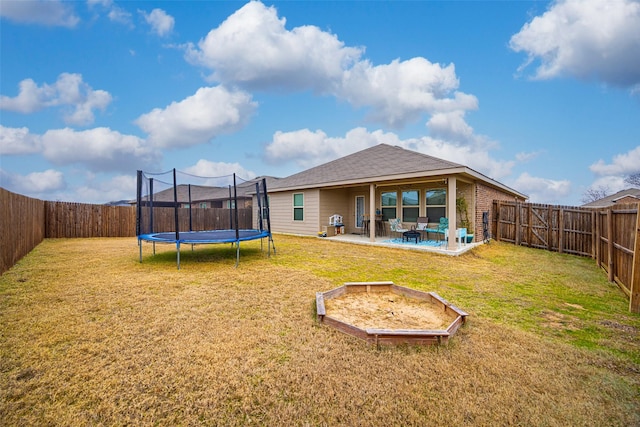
<point>433,246</point>
<point>368,189</point>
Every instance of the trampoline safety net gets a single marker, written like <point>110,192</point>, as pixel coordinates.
<point>177,207</point>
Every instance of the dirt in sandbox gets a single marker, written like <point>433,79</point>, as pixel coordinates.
<point>386,311</point>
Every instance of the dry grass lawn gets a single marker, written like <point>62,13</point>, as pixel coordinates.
<point>90,336</point>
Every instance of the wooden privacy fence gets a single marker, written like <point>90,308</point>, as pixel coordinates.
<point>563,229</point>
<point>21,227</point>
<point>64,220</point>
<point>611,236</point>
<point>617,248</point>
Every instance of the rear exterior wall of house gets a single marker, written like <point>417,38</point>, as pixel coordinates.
<point>485,196</point>
<point>281,207</point>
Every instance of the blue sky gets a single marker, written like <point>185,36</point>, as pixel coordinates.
<point>542,96</point>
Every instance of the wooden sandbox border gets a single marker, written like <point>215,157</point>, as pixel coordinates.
<point>392,336</point>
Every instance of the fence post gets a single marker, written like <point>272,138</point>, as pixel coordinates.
<point>497,217</point>
<point>530,220</point>
<point>610,244</point>
<point>518,240</point>
<point>550,228</point>
<point>595,236</point>
<point>634,287</point>
<point>560,230</point>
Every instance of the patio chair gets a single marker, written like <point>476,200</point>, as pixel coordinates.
<point>461,236</point>
<point>396,226</point>
<point>441,229</point>
<point>336,220</point>
<point>422,223</point>
<point>364,229</point>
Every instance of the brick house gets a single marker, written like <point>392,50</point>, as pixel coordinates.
<point>386,180</point>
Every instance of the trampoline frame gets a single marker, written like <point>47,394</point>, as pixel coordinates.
<point>234,235</point>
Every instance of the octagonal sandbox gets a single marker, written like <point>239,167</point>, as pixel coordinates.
<point>383,313</point>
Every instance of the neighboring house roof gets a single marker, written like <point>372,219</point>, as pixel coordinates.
<point>381,162</point>
<point>614,198</point>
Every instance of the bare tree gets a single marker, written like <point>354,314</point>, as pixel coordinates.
<point>633,179</point>
<point>593,194</point>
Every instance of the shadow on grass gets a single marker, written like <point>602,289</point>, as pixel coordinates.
<point>220,253</point>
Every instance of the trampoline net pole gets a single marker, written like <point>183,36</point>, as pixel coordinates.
<point>230,211</point>
<point>190,218</point>
<point>235,209</point>
<point>259,199</point>
<point>268,215</point>
<point>175,205</point>
<point>178,254</point>
<point>139,206</point>
<point>150,209</point>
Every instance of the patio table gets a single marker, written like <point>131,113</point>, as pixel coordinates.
<point>411,234</point>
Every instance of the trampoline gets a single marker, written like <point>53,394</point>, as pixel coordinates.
<point>153,202</point>
<point>209,236</point>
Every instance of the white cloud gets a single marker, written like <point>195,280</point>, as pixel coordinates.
<point>100,149</point>
<point>34,184</point>
<point>527,157</point>
<point>474,156</point>
<point>400,92</point>
<point>219,173</point>
<point>120,187</point>
<point>542,190</point>
<point>104,3</point>
<point>114,13</point>
<point>596,39</point>
<point>451,126</point>
<point>307,149</point>
<point>622,164</point>
<point>51,185</point>
<point>161,23</point>
<point>121,16</point>
<point>252,48</point>
<point>68,91</point>
<point>611,183</point>
<point>18,141</point>
<point>211,111</point>
<point>51,13</point>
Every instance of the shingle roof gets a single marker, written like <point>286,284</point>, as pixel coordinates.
<point>612,199</point>
<point>378,161</point>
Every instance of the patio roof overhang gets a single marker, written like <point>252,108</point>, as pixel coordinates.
<point>461,173</point>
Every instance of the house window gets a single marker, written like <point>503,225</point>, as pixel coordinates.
<point>389,204</point>
<point>231,204</point>
<point>203,205</point>
<point>436,204</point>
<point>410,206</point>
<point>298,207</point>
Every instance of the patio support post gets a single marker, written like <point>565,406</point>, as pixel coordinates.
<point>451,212</point>
<point>372,212</point>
